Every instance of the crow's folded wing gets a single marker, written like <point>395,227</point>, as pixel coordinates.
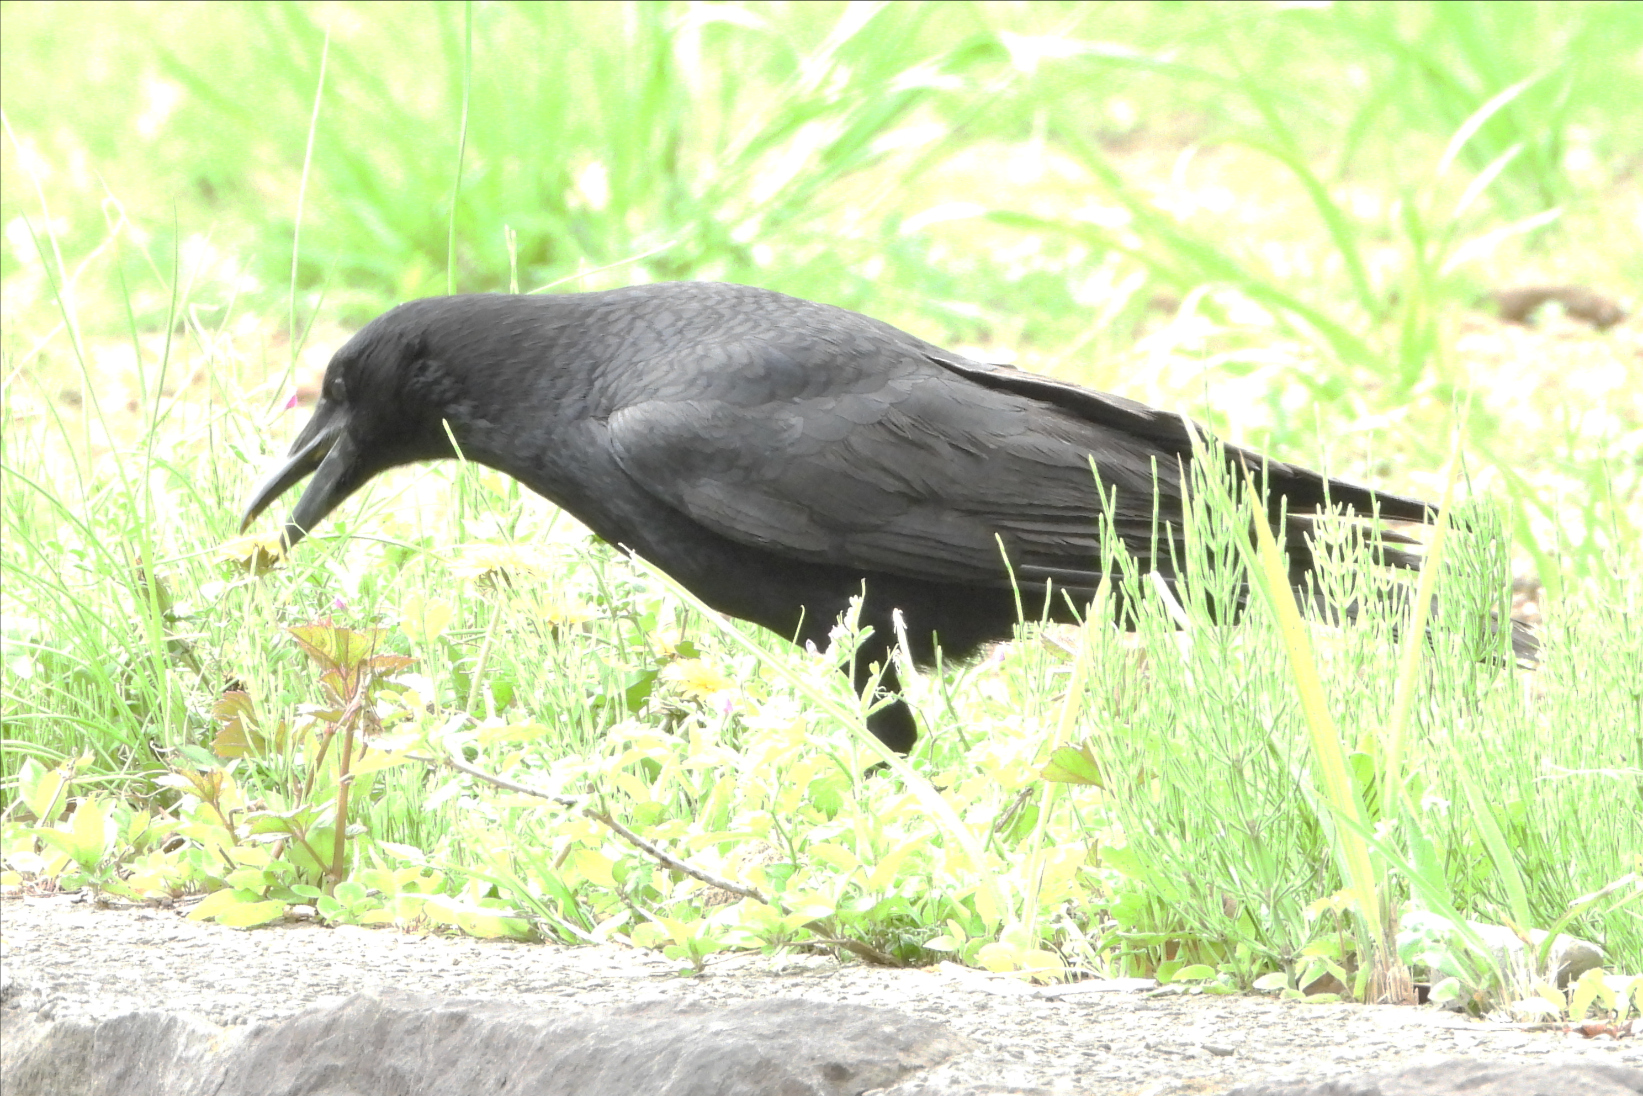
<point>1304,489</point>
<point>924,477</point>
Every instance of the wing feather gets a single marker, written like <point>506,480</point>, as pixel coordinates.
<point>928,470</point>
<point>922,479</point>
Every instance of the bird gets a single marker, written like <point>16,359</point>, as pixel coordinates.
<point>779,457</point>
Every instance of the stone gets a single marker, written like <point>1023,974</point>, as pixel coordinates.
<point>1568,958</point>
<point>412,1046</point>
<point>1469,1077</point>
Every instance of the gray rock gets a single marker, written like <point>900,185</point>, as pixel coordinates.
<point>368,1045</point>
<point>1469,1077</point>
<point>1568,958</point>
<point>926,1088</point>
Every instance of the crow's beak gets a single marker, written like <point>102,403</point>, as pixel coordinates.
<point>325,449</point>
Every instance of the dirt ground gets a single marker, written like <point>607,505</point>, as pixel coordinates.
<point>62,957</point>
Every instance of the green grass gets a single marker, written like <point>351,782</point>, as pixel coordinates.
<point>1279,220</point>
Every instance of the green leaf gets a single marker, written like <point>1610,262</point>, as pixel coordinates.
<point>349,893</point>
<point>238,734</point>
<point>85,842</point>
<point>884,872</point>
<point>1588,990</point>
<point>1447,990</point>
<point>1074,765</point>
<point>43,790</point>
<point>833,855</point>
<point>648,934</point>
<point>376,760</point>
<point>594,866</point>
<point>337,649</point>
<point>481,923</point>
<point>243,915</point>
<point>294,822</point>
<point>1494,840</point>
<point>218,901</point>
<point>423,619</point>
<point>62,842</point>
<point>1197,972</point>
<point>248,878</point>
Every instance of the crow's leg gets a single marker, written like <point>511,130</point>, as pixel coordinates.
<point>892,724</point>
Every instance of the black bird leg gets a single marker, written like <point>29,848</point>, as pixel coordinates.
<point>892,724</point>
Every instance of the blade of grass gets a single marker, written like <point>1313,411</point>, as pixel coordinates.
<point>278,391</point>
<point>1494,841</point>
<point>1414,639</point>
<point>461,144</point>
<point>1340,794</point>
<point>1033,873</point>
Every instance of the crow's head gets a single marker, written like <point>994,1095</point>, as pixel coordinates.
<point>386,401</point>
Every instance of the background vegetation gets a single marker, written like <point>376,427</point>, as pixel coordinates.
<point>1284,219</point>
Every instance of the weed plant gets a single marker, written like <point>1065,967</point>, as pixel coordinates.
<point>983,174</point>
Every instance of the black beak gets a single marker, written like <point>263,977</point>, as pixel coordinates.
<point>325,449</point>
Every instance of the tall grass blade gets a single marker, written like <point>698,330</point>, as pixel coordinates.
<point>1414,642</point>
<point>1494,841</point>
<point>1339,792</point>
<point>1478,119</point>
<point>461,146</point>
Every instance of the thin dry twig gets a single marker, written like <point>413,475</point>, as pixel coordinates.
<point>664,857</point>
<point>856,947</point>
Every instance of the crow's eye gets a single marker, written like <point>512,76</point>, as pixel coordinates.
<point>335,391</point>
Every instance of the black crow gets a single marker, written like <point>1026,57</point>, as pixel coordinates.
<point>774,455</point>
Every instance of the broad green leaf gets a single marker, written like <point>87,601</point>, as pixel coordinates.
<point>884,872</point>
<point>376,760</point>
<point>834,855</point>
<point>248,878</point>
<point>43,790</point>
<point>648,935</point>
<point>423,619</point>
<point>218,901</point>
<point>1589,989</point>
<point>349,893</point>
<point>594,866</point>
<point>335,648</point>
<point>478,921</point>
<point>1074,765</point>
<point>1197,972</point>
<point>64,843</point>
<point>90,829</point>
<point>998,957</point>
<point>246,914</point>
<point>238,734</point>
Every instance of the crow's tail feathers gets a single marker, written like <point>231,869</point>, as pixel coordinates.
<point>1525,644</point>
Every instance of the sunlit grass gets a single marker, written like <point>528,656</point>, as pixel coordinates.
<point>1180,204</point>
